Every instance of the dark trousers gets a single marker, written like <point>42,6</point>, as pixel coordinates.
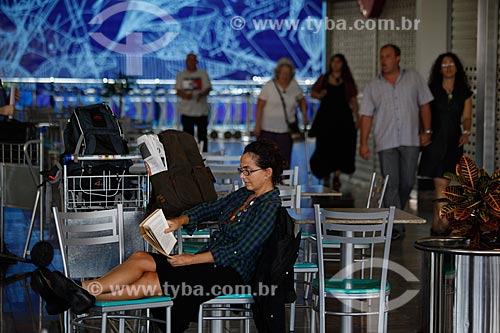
<point>201,123</point>
<point>401,165</point>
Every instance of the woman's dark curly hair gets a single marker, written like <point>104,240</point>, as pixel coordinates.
<point>268,155</point>
<point>436,77</point>
<point>351,90</point>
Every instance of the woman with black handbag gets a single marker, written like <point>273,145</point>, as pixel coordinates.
<point>276,118</point>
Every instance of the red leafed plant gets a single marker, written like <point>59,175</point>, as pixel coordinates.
<point>475,201</point>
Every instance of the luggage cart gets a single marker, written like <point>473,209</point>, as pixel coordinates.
<point>132,190</point>
<point>105,190</point>
<point>18,164</point>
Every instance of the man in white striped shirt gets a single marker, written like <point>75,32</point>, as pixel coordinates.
<point>396,102</point>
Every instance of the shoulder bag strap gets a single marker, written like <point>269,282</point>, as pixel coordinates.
<point>282,101</point>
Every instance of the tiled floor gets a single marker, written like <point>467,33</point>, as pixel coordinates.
<point>20,306</point>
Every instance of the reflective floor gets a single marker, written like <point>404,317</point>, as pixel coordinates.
<point>20,307</point>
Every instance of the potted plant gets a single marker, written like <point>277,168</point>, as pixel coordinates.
<point>473,205</point>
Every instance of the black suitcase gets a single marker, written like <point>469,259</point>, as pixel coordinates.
<point>14,131</point>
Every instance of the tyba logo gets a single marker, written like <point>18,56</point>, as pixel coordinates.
<point>134,47</point>
<point>391,266</point>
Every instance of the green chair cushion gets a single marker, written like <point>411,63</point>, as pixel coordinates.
<point>198,232</point>
<point>351,286</point>
<point>133,301</point>
<point>242,296</point>
<point>193,247</point>
<point>304,264</point>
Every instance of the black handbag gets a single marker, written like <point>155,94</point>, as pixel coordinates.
<point>293,127</point>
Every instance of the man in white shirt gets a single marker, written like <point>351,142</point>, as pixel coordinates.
<point>193,86</point>
<point>397,103</point>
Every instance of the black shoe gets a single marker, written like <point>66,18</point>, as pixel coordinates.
<point>40,284</point>
<point>80,299</point>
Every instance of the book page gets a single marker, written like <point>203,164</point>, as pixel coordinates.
<point>152,229</point>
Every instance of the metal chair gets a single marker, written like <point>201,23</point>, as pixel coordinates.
<point>377,190</point>
<point>355,294</point>
<point>223,167</point>
<point>83,238</point>
<point>290,177</point>
<point>225,307</point>
<point>291,198</point>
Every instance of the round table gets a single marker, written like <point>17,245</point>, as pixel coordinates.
<point>460,286</point>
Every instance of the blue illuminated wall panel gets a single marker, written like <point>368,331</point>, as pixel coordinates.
<point>148,40</point>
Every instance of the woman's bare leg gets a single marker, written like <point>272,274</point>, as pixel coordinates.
<point>148,285</point>
<point>439,224</point>
<point>140,267</point>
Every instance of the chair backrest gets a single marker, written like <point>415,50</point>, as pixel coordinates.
<point>290,177</point>
<point>221,159</point>
<point>91,243</point>
<point>377,191</point>
<point>349,229</point>
<point>223,167</point>
<point>290,196</point>
<point>225,189</point>
<point>368,228</point>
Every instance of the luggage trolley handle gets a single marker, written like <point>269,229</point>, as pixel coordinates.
<point>28,157</point>
<point>77,158</point>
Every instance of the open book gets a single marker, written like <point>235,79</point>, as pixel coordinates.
<point>152,231</point>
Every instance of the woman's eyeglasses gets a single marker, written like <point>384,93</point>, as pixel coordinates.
<point>451,64</point>
<point>247,172</point>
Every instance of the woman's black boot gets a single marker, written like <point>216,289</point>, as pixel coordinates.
<point>80,299</point>
<point>40,283</point>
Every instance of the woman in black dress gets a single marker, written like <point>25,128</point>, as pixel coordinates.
<point>451,107</point>
<point>335,125</point>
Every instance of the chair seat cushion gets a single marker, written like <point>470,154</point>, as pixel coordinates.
<point>203,232</point>
<point>144,300</point>
<point>193,247</point>
<point>238,296</point>
<point>351,286</point>
<point>305,265</point>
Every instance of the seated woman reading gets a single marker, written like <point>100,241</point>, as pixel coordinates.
<point>246,218</point>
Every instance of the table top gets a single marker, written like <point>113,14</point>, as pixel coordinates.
<point>318,191</point>
<point>315,191</point>
<point>306,215</point>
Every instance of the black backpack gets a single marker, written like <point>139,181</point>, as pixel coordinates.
<point>275,268</point>
<point>95,130</point>
<point>187,182</point>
